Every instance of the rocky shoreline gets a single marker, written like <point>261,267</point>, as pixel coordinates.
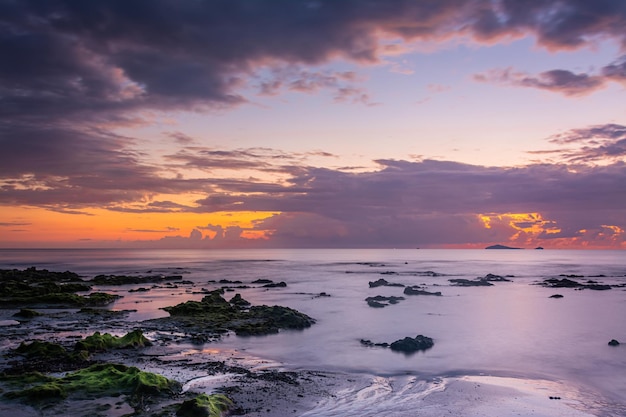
<point>64,354</point>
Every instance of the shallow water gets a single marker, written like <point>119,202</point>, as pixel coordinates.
<point>511,329</point>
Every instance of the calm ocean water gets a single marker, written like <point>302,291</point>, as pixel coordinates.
<point>512,329</point>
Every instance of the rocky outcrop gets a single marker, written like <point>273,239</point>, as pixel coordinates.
<point>462,282</point>
<point>406,345</point>
<point>383,283</point>
<point>569,283</point>
<point>412,344</point>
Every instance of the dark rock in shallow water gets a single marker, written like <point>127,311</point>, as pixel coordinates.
<point>415,290</point>
<point>410,345</point>
<point>494,278</point>
<point>561,283</point>
<point>462,282</point>
<point>613,342</point>
<point>380,301</point>
<point>383,283</point>
<point>132,279</point>
<point>262,281</point>
<point>569,283</point>
<point>215,315</point>
<point>281,284</point>
<point>556,296</point>
<point>369,343</point>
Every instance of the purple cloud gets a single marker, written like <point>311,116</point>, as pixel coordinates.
<point>559,81</point>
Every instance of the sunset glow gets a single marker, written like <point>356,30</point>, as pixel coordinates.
<point>403,124</point>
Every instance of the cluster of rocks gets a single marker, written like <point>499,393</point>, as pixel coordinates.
<point>567,282</point>
<point>406,345</point>
<point>85,366</point>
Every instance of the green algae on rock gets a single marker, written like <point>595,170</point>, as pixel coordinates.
<point>92,382</point>
<point>42,287</point>
<point>100,342</point>
<point>205,405</point>
<point>215,314</point>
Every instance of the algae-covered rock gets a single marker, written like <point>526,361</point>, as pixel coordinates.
<point>261,320</point>
<point>101,342</point>
<point>108,378</point>
<point>215,314</point>
<point>205,405</point>
<point>94,382</point>
<point>42,350</point>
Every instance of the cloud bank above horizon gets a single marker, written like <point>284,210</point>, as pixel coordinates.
<point>93,96</point>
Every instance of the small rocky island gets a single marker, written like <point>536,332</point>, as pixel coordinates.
<point>500,247</point>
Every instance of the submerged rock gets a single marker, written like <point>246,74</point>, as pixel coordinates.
<point>380,301</point>
<point>569,283</point>
<point>613,342</point>
<point>369,343</point>
<point>406,345</point>
<point>462,282</point>
<point>383,282</point>
<point>133,279</point>
<point>416,290</point>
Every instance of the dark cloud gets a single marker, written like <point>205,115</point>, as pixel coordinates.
<point>408,203</point>
<point>71,57</point>
<point>559,81</point>
<point>601,143</point>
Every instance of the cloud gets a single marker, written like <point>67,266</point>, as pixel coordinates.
<point>600,143</point>
<point>96,59</point>
<point>413,203</point>
<point>559,81</point>
<point>165,230</point>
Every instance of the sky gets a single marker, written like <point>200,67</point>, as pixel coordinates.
<point>312,124</point>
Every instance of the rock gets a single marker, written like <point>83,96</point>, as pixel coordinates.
<point>380,301</point>
<point>556,296</point>
<point>205,405</point>
<point>369,343</point>
<point>494,278</point>
<point>569,283</point>
<point>132,279</point>
<point>262,281</point>
<point>27,313</point>
<point>613,342</point>
<point>561,283</point>
<point>462,282</point>
<point>415,290</point>
<point>383,283</point>
<point>281,284</point>
<point>410,345</point>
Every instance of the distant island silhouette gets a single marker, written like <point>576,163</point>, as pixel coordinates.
<point>500,247</point>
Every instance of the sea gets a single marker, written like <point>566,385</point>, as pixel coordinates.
<point>512,329</point>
